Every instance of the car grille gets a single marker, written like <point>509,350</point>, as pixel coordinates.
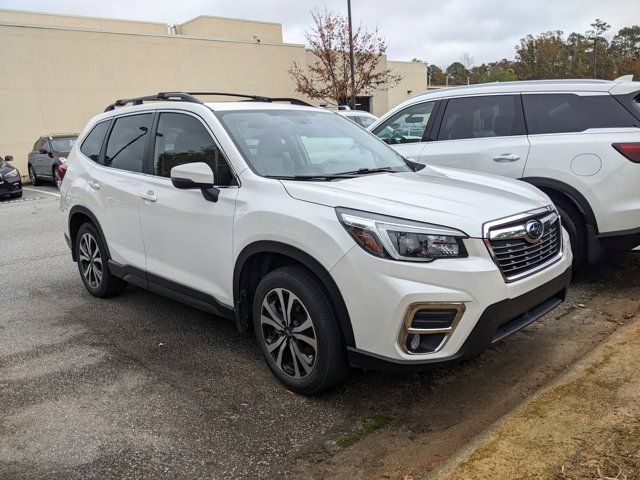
<point>519,253</point>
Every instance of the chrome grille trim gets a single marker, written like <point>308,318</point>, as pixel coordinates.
<point>515,253</point>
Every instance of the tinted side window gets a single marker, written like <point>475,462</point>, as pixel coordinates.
<point>406,126</point>
<point>561,113</point>
<point>127,141</point>
<point>479,117</point>
<point>183,139</point>
<point>93,142</point>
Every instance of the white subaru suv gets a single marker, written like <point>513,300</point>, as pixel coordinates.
<point>298,223</point>
<point>576,140</point>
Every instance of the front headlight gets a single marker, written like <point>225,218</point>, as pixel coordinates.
<point>390,237</point>
<point>11,174</point>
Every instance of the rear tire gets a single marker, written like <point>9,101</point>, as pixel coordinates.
<point>298,331</point>
<point>574,223</point>
<point>92,258</point>
<point>35,181</point>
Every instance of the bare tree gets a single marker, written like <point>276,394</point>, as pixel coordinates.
<point>328,78</point>
<point>467,60</point>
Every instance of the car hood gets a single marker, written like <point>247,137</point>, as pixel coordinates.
<point>454,198</point>
<point>5,167</point>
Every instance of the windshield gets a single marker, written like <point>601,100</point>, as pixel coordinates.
<point>63,145</point>
<point>301,143</point>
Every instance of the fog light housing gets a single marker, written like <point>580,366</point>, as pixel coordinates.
<point>428,326</point>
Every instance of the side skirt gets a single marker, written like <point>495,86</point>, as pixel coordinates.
<point>169,288</point>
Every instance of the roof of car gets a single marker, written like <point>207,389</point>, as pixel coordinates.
<point>577,85</point>
<point>61,135</point>
<point>355,113</point>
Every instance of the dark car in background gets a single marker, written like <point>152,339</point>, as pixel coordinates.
<point>49,152</point>
<point>10,181</point>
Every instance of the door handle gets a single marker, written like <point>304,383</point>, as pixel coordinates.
<point>149,196</point>
<point>95,185</point>
<point>506,157</point>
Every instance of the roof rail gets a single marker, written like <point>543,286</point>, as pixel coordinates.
<point>162,96</point>
<point>191,98</point>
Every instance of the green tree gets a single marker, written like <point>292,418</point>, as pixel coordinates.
<point>625,50</point>
<point>458,74</point>
<point>599,49</point>
<point>436,75</point>
<point>543,56</point>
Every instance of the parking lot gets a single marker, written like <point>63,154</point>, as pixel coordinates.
<point>141,386</point>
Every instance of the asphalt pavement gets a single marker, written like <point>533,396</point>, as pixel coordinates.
<point>139,386</point>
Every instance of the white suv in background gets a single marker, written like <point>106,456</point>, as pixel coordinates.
<point>576,140</point>
<point>298,223</point>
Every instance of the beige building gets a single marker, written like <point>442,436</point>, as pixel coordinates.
<point>59,70</point>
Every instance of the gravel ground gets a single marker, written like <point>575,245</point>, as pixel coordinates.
<point>139,386</point>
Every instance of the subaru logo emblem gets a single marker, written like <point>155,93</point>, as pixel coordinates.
<point>535,230</point>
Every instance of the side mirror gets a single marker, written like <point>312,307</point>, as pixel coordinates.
<point>43,151</point>
<point>8,158</point>
<point>195,175</point>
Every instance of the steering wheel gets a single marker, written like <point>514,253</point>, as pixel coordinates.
<point>397,137</point>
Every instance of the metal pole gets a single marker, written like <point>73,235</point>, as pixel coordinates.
<point>352,99</point>
<point>595,39</point>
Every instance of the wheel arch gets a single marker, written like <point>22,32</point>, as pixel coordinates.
<point>263,256</point>
<point>574,196</point>
<point>77,216</point>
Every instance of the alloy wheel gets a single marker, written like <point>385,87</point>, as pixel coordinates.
<point>32,175</point>
<point>288,333</point>
<point>90,260</point>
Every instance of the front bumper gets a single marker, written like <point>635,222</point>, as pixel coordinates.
<point>497,322</point>
<point>379,293</point>
<point>9,187</point>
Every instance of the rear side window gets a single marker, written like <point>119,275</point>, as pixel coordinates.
<point>480,117</point>
<point>183,139</point>
<point>406,126</point>
<point>567,112</point>
<point>93,142</point>
<point>127,141</point>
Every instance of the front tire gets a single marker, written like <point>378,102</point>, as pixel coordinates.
<point>298,331</point>
<point>92,258</point>
<point>35,181</point>
<point>574,223</point>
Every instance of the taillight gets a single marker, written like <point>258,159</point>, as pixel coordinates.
<point>62,170</point>
<point>629,150</point>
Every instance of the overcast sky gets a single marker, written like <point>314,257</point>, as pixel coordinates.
<point>436,31</point>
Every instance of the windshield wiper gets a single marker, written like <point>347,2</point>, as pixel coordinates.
<point>364,171</point>
<point>327,177</point>
<point>335,176</point>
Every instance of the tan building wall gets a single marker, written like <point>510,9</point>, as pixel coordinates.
<point>414,81</point>
<point>94,23</point>
<point>232,29</point>
<point>59,76</point>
